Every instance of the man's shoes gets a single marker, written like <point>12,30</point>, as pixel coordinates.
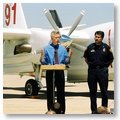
<point>103,110</point>
<point>50,112</point>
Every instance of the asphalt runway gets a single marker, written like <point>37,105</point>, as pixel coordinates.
<point>77,97</point>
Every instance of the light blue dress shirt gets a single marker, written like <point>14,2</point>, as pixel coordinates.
<point>49,52</point>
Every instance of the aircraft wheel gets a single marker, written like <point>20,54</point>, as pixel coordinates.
<point>31,87</point>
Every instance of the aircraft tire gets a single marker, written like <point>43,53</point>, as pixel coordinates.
<point>31,87</point>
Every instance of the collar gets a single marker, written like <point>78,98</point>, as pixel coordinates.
<point>55,46</point>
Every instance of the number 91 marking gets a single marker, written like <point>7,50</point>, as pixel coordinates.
<point>8,11</point>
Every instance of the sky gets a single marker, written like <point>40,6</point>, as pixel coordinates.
<point>95,13</point>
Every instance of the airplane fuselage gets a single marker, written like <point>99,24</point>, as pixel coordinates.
<point>39,38</point>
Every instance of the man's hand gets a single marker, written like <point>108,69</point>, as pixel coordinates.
<point>42,55</point>
<point>70,52</point>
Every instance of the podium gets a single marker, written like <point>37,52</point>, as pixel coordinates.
<point>53,67</point>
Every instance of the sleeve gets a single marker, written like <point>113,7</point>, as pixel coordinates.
<point>67,58</point>
<point>110,57</point>
<point>85,55</point>
<point>64,58</point>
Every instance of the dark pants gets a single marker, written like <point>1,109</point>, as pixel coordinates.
<point>60,86</point>
<point>98,76</point>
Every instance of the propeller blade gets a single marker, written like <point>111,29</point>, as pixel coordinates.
<point>50,19</point>
<point>77,21</point>
<point>79,47</point>
<point>66,44</point>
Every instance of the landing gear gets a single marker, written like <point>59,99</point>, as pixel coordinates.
<point>32,86</point>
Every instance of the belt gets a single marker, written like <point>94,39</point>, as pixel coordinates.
<point>96,67</point>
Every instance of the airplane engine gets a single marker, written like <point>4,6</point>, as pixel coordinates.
<point>22,48</point>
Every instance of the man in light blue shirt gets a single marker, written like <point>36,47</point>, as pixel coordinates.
<point>52,54</point>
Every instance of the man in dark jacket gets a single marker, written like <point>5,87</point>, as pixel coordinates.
<point>99,57</point>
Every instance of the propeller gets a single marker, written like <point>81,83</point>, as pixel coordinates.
<point>49,17</point>
<point>64,38</point>
<point>77,21</point>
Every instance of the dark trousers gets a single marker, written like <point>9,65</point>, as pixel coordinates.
<point>60,86</point>
<point>98,76</point>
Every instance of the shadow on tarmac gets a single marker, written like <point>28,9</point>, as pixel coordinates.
<point>42,94</point>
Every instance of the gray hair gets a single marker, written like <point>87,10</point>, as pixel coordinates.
<point>54,32</point>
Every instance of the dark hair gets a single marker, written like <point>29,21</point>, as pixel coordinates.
<point>100,33</point>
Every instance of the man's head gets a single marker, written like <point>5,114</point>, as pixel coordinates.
<point>55,36</point>
<point>99,35</point>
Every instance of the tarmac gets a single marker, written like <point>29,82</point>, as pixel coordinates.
<point>76,94</point>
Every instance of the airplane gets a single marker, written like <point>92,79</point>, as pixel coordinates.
<point>21,46</point>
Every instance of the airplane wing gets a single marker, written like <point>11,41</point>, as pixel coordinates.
<point>16,34</point>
